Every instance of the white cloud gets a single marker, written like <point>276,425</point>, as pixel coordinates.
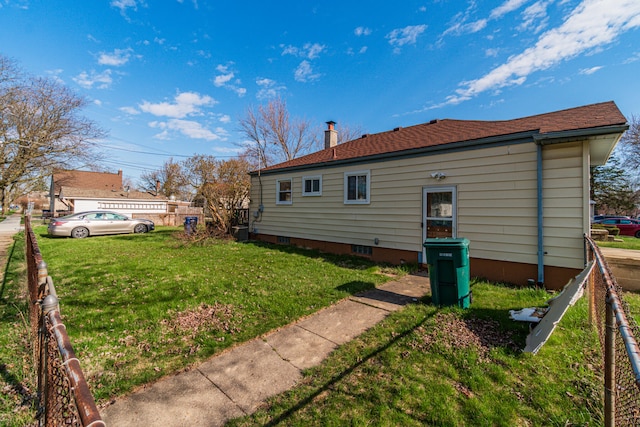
<point>189,128</point>
<point>314,50</point>
<point>195,3</point>
<point>203,53</point>
<point>289,50</point>
<point>88,80</point>
<point>268,88</point>
<point>117,58</point>
<point>265,82</point>
<point>225,118</point>
<point>192,129</point>
<point>185,104</point>
<point>362,31</point>
<point>535,17</point>
<point>589,71</point>
<point>227,151</point>
<point>304,72</point>
<point>308,50</point>
<point>491,52</point>
<point>226,80</point>
<point>506,7</point>
<point>407,35</point>
<point>461,25</point>
<point>222,79</point>
<point>129,110</point>
<point>55,75</point>
<point>633,58</point>
<point>360,51</point>
<point>124,5</point>
<point>592,25</point>
<point>468,28</point>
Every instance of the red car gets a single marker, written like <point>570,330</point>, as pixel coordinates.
<point>627,226</point>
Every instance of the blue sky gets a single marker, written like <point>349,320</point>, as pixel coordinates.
<point>171,78</point>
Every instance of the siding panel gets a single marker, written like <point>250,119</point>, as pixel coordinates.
<point>496,197</point>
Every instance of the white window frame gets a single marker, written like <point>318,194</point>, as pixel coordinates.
<point>454,214</point>
<point>312,178</point>
<point>278,191</point>
<point>365,201</point>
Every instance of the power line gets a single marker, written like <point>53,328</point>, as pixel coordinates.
<point>146,152</point>
<point>228,156</point>
<point>138,144</point>
<point>136,166</point>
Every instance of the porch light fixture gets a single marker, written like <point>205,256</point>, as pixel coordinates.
<point>438,176</point>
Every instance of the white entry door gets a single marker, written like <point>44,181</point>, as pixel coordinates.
<point>439,213</point>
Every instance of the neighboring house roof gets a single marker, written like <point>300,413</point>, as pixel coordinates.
<point>87,180</point>
<point>88,193</point>
<point>439,133</point>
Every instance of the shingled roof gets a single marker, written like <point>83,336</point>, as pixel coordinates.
<point>441,132</point>
<point>87,180</point>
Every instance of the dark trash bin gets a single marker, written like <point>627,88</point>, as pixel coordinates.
<point>448,261</point>
<point>190,224</point>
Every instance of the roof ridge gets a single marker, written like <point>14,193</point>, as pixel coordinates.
<point>440,132</point>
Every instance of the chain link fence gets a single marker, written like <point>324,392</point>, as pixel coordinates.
<point>63,397</point>
<point>618,334</point>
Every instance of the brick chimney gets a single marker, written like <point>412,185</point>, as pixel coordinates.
<point>330,135</point>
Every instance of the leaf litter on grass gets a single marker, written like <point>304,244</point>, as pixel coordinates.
<point>453,332</point>
<point>205,317</point>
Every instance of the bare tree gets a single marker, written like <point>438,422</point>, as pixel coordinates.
<point>612,189</point>
<point>40,130</point>
<point>169,180</point>
<point>274,136</point>
<point>630,142</point>
<point>228,192</point>
<point>199,169</point>
<point>348,133</point>
<point>127,183</point>
<point>222,185</point>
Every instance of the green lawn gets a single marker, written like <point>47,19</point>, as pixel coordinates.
<point>16,376</point>
<point>138,307</point>
<point>430,366</point>
<point>628,242</point>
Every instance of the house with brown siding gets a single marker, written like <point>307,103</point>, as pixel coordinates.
<point>517,189</point>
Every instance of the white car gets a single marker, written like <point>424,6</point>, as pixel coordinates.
<point>95,223</point>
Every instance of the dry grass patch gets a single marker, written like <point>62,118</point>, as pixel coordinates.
<point>454,333</point>
<point>204,318</point>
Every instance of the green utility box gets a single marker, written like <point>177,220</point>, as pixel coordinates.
<point>448,261</point>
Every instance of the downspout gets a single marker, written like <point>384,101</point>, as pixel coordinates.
<point>540,216</point>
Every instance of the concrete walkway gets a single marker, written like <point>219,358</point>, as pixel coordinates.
<point>8,227</point>
<point>234,383</point>
<point>11,225</point>
<point>625,266</point>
